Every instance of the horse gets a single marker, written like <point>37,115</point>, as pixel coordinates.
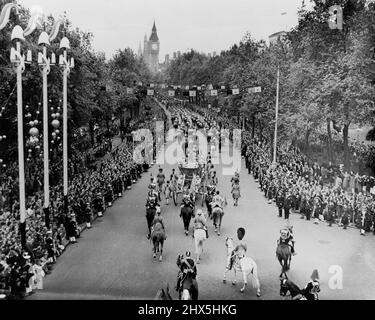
<point>150,215</point>
<point>208,200</point>
<point>158,237</point>
<point>199,237</point>
<point>308,293</point>
<point>163,294</point>
<point>189,285</point>
<point>246,265</point>
<point>284,255</point>
<point>217,214</point>
<point>186,213</point>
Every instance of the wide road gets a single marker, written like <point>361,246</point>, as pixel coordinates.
<point>113,260</point>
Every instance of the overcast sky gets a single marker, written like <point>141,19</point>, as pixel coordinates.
<point>204,25</point>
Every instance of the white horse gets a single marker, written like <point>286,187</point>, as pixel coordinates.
<point>199,237</point>
<point>246,265</point>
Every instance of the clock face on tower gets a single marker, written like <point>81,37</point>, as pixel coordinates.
<point>154,46</point>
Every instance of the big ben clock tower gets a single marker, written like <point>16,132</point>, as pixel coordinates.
<point>154,47</point>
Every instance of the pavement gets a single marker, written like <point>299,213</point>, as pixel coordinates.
<point>114,259</point>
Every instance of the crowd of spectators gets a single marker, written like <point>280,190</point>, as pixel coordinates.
<point>29,250</point>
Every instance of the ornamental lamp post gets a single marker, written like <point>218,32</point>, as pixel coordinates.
<point>19,62</point>
<point>45,63</point>
<point>66,65</point>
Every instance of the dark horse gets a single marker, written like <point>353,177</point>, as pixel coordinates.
<point>158,237</point>
<point>163,294</point>
<point>308,293</point>
<point>186,214</point>
<point>284,255</point>
<point>189,286</point>
<point>208,200</point>
<point>150,215</point>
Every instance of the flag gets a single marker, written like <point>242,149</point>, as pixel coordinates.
<point>213,92</point>
<point>192,93</point>
<point>254,90</point>
<point>150,92</point>
<point>235,91</point>
<point>171,93</point>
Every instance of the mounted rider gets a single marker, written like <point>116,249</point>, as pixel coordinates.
<point>218,201</point>
<point>187,265</point>
<point>158,219</point>
<point>152,195</point>
<point>286,238</point>
<point>200,222</point>
<point>187,201</point>
<point>240,249</point>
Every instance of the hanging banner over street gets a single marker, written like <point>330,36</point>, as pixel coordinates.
<point>254,90</point>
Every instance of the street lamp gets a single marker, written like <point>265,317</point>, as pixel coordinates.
<point>46,63</point>
<point>19,61</point>
<point>276,115</point>
<point>66,65</point>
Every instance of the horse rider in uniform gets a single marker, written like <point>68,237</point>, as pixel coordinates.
<point>218,201</point>
<point>286,238</point>
<point>158,219</point>
<point>152,195</point>
<point>187,265</point>
<point>240,249</point>
<point>187,201</point>
<point>200,222</point>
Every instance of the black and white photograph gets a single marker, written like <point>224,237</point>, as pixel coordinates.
<point>203,150</point>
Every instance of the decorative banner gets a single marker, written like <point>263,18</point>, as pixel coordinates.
<point>34,22</point>
<point>171,93</point>
<point>213,92</point>
<point>335,17</point>
<point>129,90</point>
<point>235,91</point>
<point>254,90</point>
<point>5,13</point>
<point>222,87</point>
<point>192,93</point>
<point>150,92</point>
<point>55,28</point>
